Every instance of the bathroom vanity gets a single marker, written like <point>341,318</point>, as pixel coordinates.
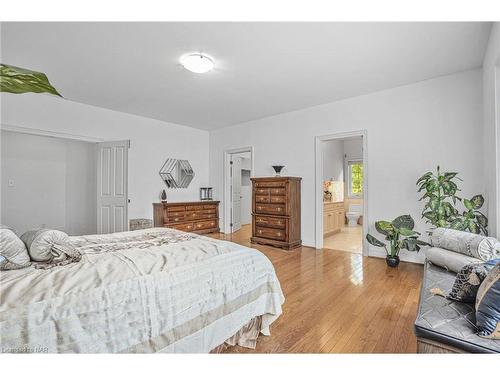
<point>333,217</point>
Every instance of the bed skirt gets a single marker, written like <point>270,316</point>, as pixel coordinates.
<point>246,337</point>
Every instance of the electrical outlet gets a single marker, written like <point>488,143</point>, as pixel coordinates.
<point>11,183</point>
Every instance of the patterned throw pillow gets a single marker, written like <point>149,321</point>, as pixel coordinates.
<point>488,305</point>
<point>469,280</point>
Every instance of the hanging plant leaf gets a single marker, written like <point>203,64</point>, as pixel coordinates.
<point>424,177</point>
<point>481,219</point>
<point>468,204</point>
<point>407,232</point>
<point>404,221</point>
<point>19,81</point>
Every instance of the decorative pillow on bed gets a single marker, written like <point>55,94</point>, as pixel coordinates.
<point>488,305</point>
<point>468,281</point>
<point>470,244</point>
<point>13,253</point>
<point>50,246</point>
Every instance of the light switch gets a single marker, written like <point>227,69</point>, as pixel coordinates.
<point>11,183</point>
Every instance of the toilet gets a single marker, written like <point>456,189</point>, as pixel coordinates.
<point>355,211</point>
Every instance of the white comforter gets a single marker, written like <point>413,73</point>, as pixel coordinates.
<point>154,290</point>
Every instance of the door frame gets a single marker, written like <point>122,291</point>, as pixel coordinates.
<point>226,197</point>
<point>319,184</point>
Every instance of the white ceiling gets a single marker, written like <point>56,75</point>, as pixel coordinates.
<point>262,69</point>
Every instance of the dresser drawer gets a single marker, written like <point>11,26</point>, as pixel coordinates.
<point>278,199</point>
<point>175,208</point>
<point>195,215</point>
<point>274,209</point>
<point>277,191</point>
<point>275,234</point>
<point>262,198</point>
<point>194,208</point>
<point>262,191</point>
<point>187,227</point>
<point>270,222</point>
<point>263,184</point>
<point>175,213</point>
<point>208,224</point>
<point>175,219</point>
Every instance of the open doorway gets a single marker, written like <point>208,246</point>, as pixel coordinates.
<point>341,206</point>
<point>238,192</point>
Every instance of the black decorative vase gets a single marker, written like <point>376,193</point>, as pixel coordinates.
<point>277,169</point>
<point>163,196</point>
<point>392,261</point>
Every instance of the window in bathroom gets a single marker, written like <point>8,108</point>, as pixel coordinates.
<point>355,177</point>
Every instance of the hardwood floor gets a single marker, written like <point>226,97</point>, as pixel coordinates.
<point>338,302</point>
<point>348,239</point>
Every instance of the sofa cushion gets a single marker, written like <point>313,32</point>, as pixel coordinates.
<point>488,305</point>
<point>448,259</point>
<point>470,244</point>
<point>446,321</point>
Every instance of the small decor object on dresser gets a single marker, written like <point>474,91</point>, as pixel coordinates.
<point>276,211</point>
<point>163,196</point>
<point>199,217</point>
<point>277,169</point>
<point>205,194</point>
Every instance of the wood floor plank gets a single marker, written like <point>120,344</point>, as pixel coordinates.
<point>338,302</point>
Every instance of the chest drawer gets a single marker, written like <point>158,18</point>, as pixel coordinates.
<point>272,233</point>
<point>274,209</point>
<point>261,191</point>
<point>175,209</point>
<point>270,222</point>
<point>262,198</point>
<point>269,184</point>
<point>187,227</point>
<point>277,199</point>
<point>207,224</point>
<point>277,191</point>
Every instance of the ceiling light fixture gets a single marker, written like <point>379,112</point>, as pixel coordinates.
<point>197,62</point>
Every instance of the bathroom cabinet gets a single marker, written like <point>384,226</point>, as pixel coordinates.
<point>333,217</point>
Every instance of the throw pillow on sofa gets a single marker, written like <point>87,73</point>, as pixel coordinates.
<point>13,253</point>
<point>470,244</point>
<point>488,305</point>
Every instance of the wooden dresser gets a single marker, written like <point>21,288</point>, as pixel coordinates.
<point>198,217</point>
<point>333,217</point>
<point>276,211</point>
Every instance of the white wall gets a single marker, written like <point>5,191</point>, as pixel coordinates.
<point>491,132</point>
<point>54,183</point>
<point>152,141</point>
<point>333,156</point>
<point>410,130</point>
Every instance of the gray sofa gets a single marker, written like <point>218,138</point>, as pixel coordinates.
<point>445,326</point>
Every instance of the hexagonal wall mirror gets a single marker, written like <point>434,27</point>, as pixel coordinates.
<point>176,173</point>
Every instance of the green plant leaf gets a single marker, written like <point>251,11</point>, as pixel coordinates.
<point>449,175</point>
<point>426,176</point>
<point>404,221</point>
<point>17,80</point>
<point>407,232</point>
<point>477,201</point>
<point>375,242</point>
<point>384,227</point>
<point>481,219</point>
<point>468,204</point>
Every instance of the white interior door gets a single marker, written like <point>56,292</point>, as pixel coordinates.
<point>112,186</point>
<point>235,193</point>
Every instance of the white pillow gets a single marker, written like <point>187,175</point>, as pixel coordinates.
<point>13,250</point>
<point>42,243</point>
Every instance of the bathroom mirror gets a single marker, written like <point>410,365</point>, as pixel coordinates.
<point>176,173</point>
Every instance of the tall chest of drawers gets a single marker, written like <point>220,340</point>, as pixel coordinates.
<point>198,217</point>
<point>276,211</point>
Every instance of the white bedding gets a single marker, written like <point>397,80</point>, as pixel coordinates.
<point>153,290</point>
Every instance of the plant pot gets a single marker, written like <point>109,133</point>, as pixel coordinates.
<point>392,261</point>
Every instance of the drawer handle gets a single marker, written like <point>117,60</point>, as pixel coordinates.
<point>279,223</point>
<point>259,231</point>
<point>278,234</point>
<point>278,209</point>
<point>199,226</point>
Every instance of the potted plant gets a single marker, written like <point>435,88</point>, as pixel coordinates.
<point>400,235</point>
<point>19,80</point>
<point>440,196</point>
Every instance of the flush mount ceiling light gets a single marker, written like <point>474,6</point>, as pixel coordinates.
<point>197,62</point>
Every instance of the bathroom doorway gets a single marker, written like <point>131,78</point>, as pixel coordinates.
<point>341,183</point>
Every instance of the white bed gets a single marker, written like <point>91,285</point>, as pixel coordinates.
<point>153,290</point>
